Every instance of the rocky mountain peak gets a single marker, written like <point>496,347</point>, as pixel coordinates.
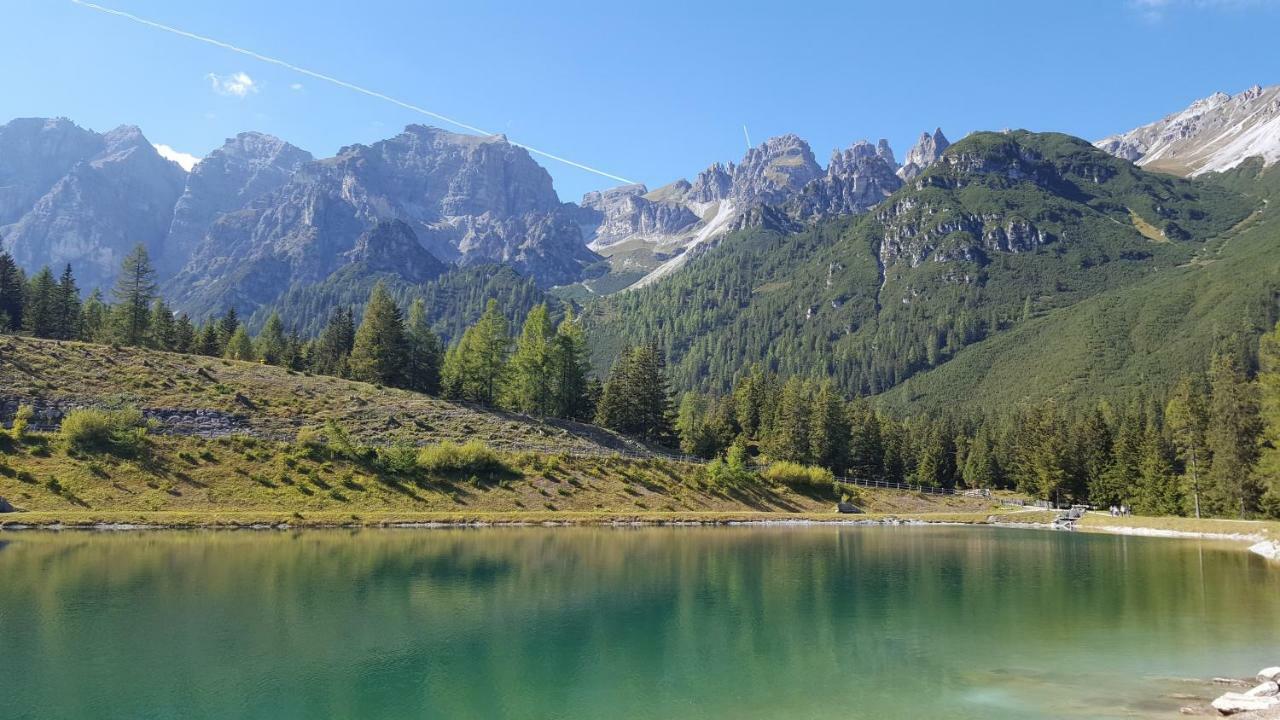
<point>926,152</point>
<point>885,152</point>
<point>91,197</point>
<point>857,178</point>
<point>246,167</point>
<point>771,172</point>
<point>1212,134</point>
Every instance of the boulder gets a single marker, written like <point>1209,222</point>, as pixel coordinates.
<point>1271,673</point>
<point>6,506</point>
<point>847,508</point>
<point>1268,688</point>
<point>1269,549</point>
<point>1232,703</point>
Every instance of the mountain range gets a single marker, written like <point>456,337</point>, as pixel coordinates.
<point>879,274</point>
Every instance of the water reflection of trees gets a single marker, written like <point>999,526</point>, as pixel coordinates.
<point>763,618</point>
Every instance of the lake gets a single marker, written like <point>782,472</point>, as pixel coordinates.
<point>739,622</point>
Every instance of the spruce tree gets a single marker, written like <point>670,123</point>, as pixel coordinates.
<point>379,353</point>
<point>271,343</point>
<point>68,306</point>
<point>1235,427</point>
<point>980,470</point>
<point>210,341</point>
<point>829,431</point>
<point>1187,417</point>
<point>866,456</point>
<point>163,334</point>
<point>12,291</point>
<point>228,325</point>
<point>134,291</point>
<point>40,313</point>
<point>1157,487</point>
<point>334,344</point>
<point>1268,467</point>
<point>636,399</point>
<point>184,334</point>
<point>95,318</point>
<point>787,438</point>
<point>425,354</point>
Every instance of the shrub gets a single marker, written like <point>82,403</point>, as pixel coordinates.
<point>452,459</point>
<point>311,442</point>
<point>120,432</point>
<point>793,474</point>
<point>340,442</point>
<point>400,458</point>
<point>732,469</point>
<point>20,421</point>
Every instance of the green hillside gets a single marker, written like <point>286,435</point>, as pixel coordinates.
<point>1002,234</point>
<point>1142,335</point>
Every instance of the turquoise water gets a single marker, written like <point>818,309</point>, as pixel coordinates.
<point>762,622</point>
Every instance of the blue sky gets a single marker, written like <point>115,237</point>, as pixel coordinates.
<point>649,91</point>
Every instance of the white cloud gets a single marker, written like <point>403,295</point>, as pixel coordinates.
<point>295,86</point>
<point>186,160</point>
<point>1155,10</point>
<point>236,84</point>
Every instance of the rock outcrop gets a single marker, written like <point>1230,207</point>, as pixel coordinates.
<point>926,152</point>
<point>856,179</point>
<point>95,196</point>
<point>391,247</point>
<point>1211,135</point>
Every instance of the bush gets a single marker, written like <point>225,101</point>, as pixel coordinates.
<point>792,473</point>
<point>730,470</point>
<point>20,421</point>
<point>400,459</point>
<point>119,432</point>
<point>473,458</point>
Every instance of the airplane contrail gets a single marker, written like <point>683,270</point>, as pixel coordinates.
<point>745,134</point>
<point>335,81</point>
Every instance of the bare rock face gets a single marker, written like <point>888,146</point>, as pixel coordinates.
<point>1213,134</point>
<point>245,168</point>
<point>391,246</point>
<point>110,193</point>
<point>34,154</point>
<point>612,216</point>
<point>467,199</point>
<point>926,152</point>
<point>856,179</point>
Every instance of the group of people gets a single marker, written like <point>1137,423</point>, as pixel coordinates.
<point>1121,510</point>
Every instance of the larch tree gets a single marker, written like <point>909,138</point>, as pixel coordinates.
<point>134,291</point>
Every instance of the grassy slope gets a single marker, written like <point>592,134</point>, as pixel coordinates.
<point>275,401</point>
<point>1139,336</point>
<point>269,474</point>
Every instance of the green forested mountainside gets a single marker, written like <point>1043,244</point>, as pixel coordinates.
<point>1142,336</point>
<point>453,301</point>
<point>1004,231</point>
